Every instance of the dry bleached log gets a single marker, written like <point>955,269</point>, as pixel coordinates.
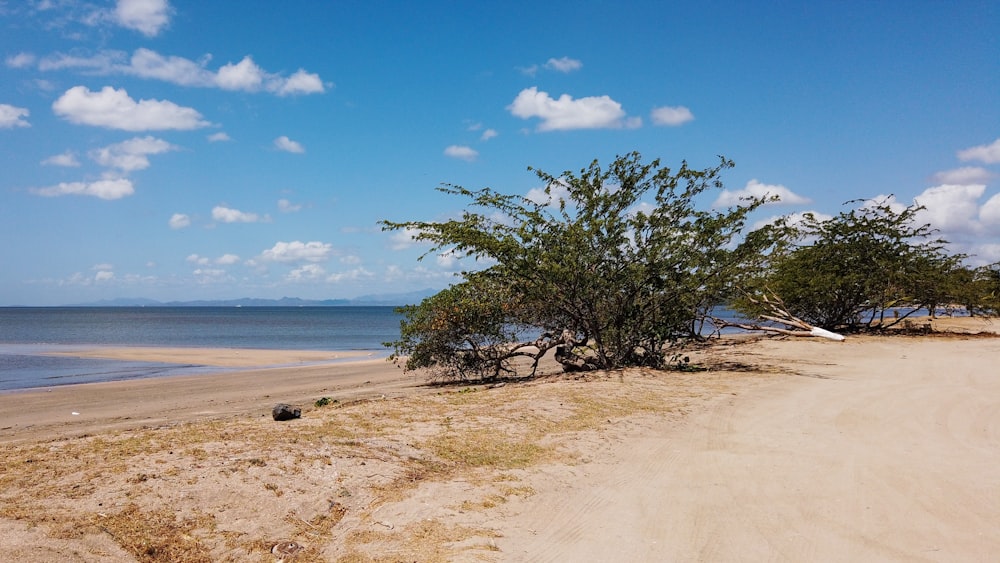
<point>781,315</point>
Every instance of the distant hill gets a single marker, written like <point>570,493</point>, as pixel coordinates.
<point>384,299</point>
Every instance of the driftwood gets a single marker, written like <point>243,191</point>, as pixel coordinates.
<point>780,315</point>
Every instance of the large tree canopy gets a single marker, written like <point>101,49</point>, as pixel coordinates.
<point>615,265</point>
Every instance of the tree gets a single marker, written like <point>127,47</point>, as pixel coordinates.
<point>614,266</point>
<point>858,270</point>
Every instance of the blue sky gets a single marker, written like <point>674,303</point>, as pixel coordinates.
<point>183,150</point>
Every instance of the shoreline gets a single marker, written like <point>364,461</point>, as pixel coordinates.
<point>241,382</point>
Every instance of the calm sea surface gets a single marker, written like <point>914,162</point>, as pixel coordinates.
<point>26,334</point>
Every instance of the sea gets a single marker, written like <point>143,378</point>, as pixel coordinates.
<point>29,334</point>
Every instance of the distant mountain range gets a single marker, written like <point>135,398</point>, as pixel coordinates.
<point>386,299</point>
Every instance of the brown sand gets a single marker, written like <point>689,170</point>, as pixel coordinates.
<point>877,448</point>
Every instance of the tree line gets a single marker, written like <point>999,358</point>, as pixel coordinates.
<point>619,267</point>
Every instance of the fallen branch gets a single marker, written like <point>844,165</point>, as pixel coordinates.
<point>780,315</point>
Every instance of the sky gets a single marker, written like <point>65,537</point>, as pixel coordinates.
<point>183,150</point>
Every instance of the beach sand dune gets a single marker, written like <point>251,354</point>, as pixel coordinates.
<point>873,449</point>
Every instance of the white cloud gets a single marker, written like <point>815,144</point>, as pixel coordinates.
<point>355,274</point>
<point>488,134</point>
<point>227,260</point>
<point>179,221</point>
<point>283,143</point>
<point>596,112</point>
<point>196,259</point>
<point>558,191</point>
<point>286,206</point>
<point>114,109</point>
<point>461,152</point>
<point>964,175</point>
<point>147,63</point>
<point>951,207</point>
<point>989,213</point>
<point>672,115</point>
<point>131,154</point>
<point>229,215</point>
<point>404,238</point>
<point>564,64</point>
<point>103,276</point>
<point>145,16</point>
<point>218,137</point>
<point>245,75</point>
<point>301,82</point>
<point>297,251</point>
<point>306,272</point>
<point>989,154</point>
<point>13,116</point>
<point>20,60</point>
<point>105,189</point>
<point>756,189</point>
<point>67,159</point>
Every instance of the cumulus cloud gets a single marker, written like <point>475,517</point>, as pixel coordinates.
<point>179,221</point>
<point>13,116</point>
<point>756,189</point>
<point>988,154</point>
<point>564,64</point>
<point>148,17</point>
<point>301,82</point>
<point>227,260</point>
<point>230,215</point>
<point>132,154</point>
<point>245,75</point>
<point>67,159</point>
<point>115,188</point>
<point>297,251</point>
<point>283,143</point>
<point>461,152</point>
<point>964,175</point>
<point>221,136</point>
<point>488,134</point>
<point>672,115</point>
<point>595,112</point>
<point>114,109</point>
<point>951,207</point>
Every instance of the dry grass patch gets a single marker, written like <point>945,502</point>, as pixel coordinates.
<point>229,490</point>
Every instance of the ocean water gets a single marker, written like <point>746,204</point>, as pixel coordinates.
<point>27,334</point>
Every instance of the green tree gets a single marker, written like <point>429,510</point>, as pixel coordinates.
<point>615,266</point>
<point>857,270</point>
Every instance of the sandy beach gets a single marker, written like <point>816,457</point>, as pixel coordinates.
<point>876,448</point>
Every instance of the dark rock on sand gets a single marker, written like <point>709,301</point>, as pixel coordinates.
<point>281,411</point>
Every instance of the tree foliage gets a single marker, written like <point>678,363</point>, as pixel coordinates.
<point>867,268</point>
<point>615,265</point>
